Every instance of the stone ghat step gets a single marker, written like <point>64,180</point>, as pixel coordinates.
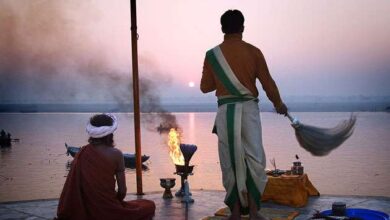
<point>206,203</point>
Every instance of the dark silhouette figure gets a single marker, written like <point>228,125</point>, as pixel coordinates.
<point>5,139</point>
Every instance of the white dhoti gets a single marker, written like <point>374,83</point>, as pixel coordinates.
<point>241,152</point>
<point>240,145</point>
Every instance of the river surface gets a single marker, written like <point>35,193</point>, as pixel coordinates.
<point>36,166</point>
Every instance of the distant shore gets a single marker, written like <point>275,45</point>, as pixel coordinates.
<point>198,107</point>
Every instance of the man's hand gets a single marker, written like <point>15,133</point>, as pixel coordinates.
<point>282,109</point>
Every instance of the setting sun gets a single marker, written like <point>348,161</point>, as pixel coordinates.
<point>191,84</point>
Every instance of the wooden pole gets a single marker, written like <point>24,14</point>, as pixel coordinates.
<point>137,126</point>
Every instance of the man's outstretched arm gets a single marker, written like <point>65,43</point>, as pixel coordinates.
<point>269,85</point>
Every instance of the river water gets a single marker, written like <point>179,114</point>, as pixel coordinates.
<point>36,166</point>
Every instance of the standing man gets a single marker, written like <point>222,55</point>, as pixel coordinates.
<point>231,68</point>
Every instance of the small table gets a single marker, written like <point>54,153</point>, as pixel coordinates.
<point>291,190</point>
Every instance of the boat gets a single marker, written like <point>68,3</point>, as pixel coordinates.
<point>5,142</point>
<point>5,139</point>
<point>129,158</point>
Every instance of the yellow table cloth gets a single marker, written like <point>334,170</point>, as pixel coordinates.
<point>291,190</point>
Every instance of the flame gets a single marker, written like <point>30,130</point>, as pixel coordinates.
<point>174,147</point>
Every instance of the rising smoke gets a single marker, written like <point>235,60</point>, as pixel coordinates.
<point>52,52</point>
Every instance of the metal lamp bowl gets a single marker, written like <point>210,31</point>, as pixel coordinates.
<point>184,169</point>
<point>167,182</point>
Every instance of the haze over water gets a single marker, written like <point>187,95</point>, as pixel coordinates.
<point>35,168</point>
<point>80,52</point>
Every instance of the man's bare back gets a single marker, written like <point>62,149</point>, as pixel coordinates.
<point>116,157</point>
<point>112,154</point>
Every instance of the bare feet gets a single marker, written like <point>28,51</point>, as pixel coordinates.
<point>236,215</point>
<point>254,213</point>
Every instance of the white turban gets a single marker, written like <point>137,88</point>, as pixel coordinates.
<point>98,132</point>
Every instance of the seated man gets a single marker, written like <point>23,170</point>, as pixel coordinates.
<point>89,190</point>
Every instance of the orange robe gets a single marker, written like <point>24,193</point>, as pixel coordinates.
<point>89,191</point>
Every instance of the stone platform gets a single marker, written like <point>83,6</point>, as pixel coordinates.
<point>206,203</point>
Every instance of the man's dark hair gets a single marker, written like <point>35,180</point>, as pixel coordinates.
<point>232,22</point>
<point>99,121</point>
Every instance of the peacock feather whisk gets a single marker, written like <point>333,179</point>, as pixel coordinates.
<point>321,141</point>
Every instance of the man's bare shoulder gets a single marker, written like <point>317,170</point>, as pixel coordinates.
<point>112,153</point>
<point>252,48</point>
<point>116,152</point>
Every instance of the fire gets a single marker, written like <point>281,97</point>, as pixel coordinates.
<point>174,147</point>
